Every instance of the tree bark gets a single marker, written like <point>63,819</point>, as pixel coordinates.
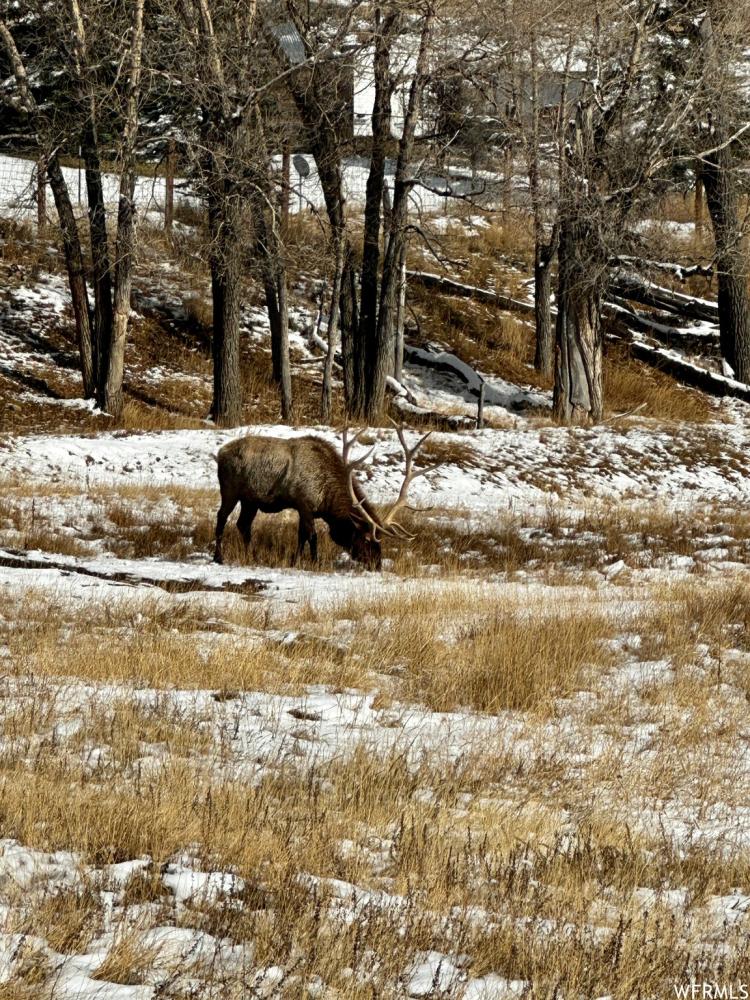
<point>365,348</point>
<point>268,222</point>
<point>41,193</point>
<point>112,368</point>
<point>226,407</point>
<point>544,357</point>
<point>101,273</point>
<point>278,319</point>
<point>113,348</point>
<point>76,273</point>
<point>68,225</point>
<point>309,92</point>
<point>398,360</point>
<point>578,394</point>
<point>720,182</point>
<point>381,361</point>
<point>698,199</point>
<point>333,322</point>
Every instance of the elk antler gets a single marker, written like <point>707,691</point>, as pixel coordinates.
<point>360,506</point>
<point>389,526</point>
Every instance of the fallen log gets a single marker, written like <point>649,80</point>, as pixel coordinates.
<point>636,289</point>
<point>679,271</point>
<point>420,415</point>
<point>450,287</point>
<point>696,341</point>
<point>688,373</point>
<point>510,398</point>
<point>23,559</point>
<point>628,323</point>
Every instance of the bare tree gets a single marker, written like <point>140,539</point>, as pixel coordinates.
<point>220,56</point>
<point>625,127</point>
<point>721,40</point>
<point>546,240</point>
<point>381,356</point>
<point>74,259</point>
<point>101,345</point>
<point>369,319</point>
<point>112,352</point>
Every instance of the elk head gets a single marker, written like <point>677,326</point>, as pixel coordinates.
<point>371,527</point>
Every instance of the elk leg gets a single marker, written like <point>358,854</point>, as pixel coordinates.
<point>306,534</point>
<point>221,521</point>
<point>245,522</point>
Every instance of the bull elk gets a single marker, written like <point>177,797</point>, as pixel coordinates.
<point>308,475</point>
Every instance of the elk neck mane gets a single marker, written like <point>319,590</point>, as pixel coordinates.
<point>338,500</point>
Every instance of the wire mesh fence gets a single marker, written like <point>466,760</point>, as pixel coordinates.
<point>18,186</point>
<point>21,196</point>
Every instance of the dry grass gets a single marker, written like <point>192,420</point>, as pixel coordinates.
<point>138,416</point>
<point>68,921</point>
<point>128,961</point>
<point>488,852</point>
<point>177,523</point>
<point>447,650</point>
<point>491,662</point>
<point>690,615</point>
<point>629,384</point>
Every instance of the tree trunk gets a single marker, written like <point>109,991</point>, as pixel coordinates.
<point>698,200</point>
<point>101,273</point>
<point>310,93</point>
<point>381,361</point>
<point>578,394</point>
<point>226,408</point>
<point>365,348</point>
<point>720,182</point>
<point>544,357</point>
<point>285,382</point>
<point>76,273</point>
<point>41,193</point>
<point>348,319</point>
<point>278,319</point>
<point>113,348</point>
<point>333,321</point>
<point>286,189</point>
<point>268,222</point>
<point>112,355</point>
<point>398,360</point>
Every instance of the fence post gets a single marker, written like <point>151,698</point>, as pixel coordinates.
<point>480,407</point>
<point>41,193</point>
<point>169,187</point>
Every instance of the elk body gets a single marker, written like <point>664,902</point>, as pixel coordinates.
<point>306,474</point>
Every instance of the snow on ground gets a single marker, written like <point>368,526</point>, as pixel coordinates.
<point>616,734</point>
<point>484,471</point>
<point>18,184</point>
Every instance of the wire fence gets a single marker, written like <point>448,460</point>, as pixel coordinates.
<point>21,197</point>
<point>20,194</point>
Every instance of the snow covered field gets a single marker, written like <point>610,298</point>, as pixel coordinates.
<point>514,763</point>
<point>335,802</point>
